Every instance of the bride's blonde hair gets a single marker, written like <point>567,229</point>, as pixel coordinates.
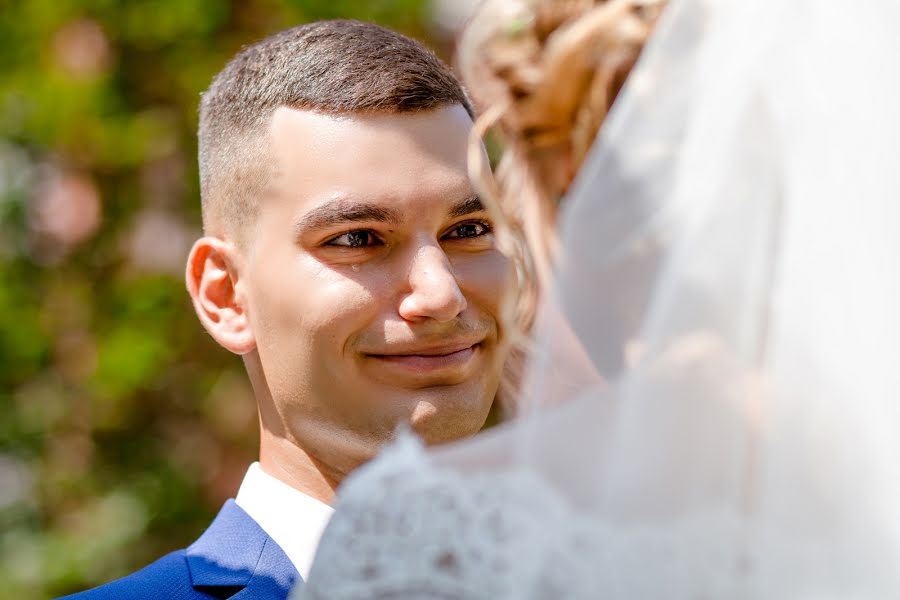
<point>544,74</point>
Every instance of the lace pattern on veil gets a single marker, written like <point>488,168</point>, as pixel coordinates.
<point>415,530</point>
<point>732,271</point>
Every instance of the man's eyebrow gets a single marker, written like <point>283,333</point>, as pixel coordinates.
<point>342,210</point>
<point>470,205</point>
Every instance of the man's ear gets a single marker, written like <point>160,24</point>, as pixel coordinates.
<point>212,279</point>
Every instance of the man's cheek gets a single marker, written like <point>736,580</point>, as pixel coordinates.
<point>336,293</point>
<point>336,319</point>
<point>488,278</point>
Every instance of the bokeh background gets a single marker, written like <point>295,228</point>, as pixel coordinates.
<point>123,427</point>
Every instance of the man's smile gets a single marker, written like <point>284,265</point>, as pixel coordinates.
<point>445,360</point>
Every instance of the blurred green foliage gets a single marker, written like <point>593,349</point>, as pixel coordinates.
<point>123,425</point>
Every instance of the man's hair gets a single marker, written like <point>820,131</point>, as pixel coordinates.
<point>334,67</point>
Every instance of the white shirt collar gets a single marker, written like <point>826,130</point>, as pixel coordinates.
<point>294,520</point>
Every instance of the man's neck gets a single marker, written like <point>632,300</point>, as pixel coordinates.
<point>297,468</point>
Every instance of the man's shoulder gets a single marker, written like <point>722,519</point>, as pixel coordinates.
<point>168,577</point>
<point>233,554</point>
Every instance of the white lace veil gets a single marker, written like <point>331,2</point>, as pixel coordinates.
<point>721,347</point>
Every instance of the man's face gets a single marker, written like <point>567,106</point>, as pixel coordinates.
<point>373,284</point>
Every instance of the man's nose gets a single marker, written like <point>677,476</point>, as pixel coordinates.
<point>433,290</point>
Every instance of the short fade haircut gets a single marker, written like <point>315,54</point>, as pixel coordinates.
<point>333,67</point>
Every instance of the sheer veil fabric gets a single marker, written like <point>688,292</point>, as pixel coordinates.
<point>714,405</point>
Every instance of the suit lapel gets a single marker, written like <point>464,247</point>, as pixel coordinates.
<point>235,555</point>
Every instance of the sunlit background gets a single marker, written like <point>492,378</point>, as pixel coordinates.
<point>124,427</point>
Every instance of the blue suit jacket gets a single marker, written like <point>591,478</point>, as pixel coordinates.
<point>234,559</point>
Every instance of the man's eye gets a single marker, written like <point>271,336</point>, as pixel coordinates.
<point>469,230</point>
<point>355,239</point>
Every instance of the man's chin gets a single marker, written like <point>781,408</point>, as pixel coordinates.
<point>441,422</point>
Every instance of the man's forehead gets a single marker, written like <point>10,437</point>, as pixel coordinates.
<point>391,163</point>
<point>320,128</point>
<point>369,151</point>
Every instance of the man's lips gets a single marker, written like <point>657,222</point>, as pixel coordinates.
<point>430,359</point>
